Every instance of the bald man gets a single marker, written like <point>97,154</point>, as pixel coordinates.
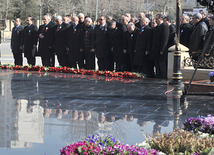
<point>140,16</point>
<point>16,42</point>
<point>185,30</point>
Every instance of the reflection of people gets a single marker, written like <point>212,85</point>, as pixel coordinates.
<point>130,118</point>
<point>74,115</point>
<point>87,115</point>
<point>124,118</point>
<point>156,129</point>
<point>59,113</point>
<point>101,118</point>
<point>18,105</point>
<point>29,109</point>
<point>81,116</point>
<point>47,113</point>
<point>110,118</point>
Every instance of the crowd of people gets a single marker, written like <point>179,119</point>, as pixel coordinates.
<point>124,45</point>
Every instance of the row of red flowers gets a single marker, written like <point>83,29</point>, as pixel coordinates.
<point>75,71</point>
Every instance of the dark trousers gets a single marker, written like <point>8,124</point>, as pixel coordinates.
<point>52,57</point>
<point>161,69</point>
<point>46,61</point>
<point>63,60</point>
<point>31,60</point>
<point>105,64</point>
<point>18,60</point>
<point>73,63</point>
<point>90,59</point>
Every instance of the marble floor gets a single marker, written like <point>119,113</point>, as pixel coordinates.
<point>42,112</point>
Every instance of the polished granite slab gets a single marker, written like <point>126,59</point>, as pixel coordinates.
<point>42,112</point>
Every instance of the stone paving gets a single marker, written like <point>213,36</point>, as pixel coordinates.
<point>42,112</point>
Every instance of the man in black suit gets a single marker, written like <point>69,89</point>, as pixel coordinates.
<point>140,16</point>
<point>30,41</point>
<point>172,30</point>
<point>185,30</point>
<point>81,17</point>
<point>75,52</point>
<point>204,18</point>
<point>197,36</point>
<point>130,42</point>
<point>101,45</point>
<point>51,48</point>
<point>159,44</point>
<point>16,42</point>
<point>143,49</point>
<point>117,33</point>
<point>60,41</point>
<point>45,32</point>
<point>86,41</point>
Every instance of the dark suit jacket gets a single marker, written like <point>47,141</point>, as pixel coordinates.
<point>101,42</point>
<point>159,43</point>
<point>117,42</point>
<point>137,25</point>
<point>30,39</point>
<point>17,39</point>
<point>74,42</point>
<point>45,43</point>
<point>197,37</point>
<point>130,40</point>
<point>209,43</point>
<point>87,36</point>
<point>172,31</point>
<point>186,30</point>
<point>60,39</point>
<point>143,44</point>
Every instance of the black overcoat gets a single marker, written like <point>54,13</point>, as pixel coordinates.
<point>117,36</point>
<point>159,42</point>
<point>17,39</point>
<point>74,42</point>
<point>45,43</point>
<point>185,33</point>
<point>143,44</point>
<point>60,39</point>
<point>29,39</point>
<point>101,42</point>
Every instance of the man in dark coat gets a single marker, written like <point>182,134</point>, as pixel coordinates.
<point>60,40</point>
<point>30,41</point>
<point>16,42</point>
<point>143,49</point>
<point>45,31</point>
<point>208,49</point>
<point>130,42</point>
<point>101,45</point>
<point>172,30</point>
<point>86,40</point>
<point>117,33</point>
<point>204,18</point>
<point>159,44</point>
<point>185,30</point>
<point>197,37</point>
<point>76,54</point>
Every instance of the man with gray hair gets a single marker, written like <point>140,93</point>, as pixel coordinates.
<point>125,20</point>
<point>143,49</point>
<point>81,17</point>
<point>185,30</point>
<point>197,37</point>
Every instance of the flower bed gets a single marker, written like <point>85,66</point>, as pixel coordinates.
<point>125,74</point>
<point>104,145</point>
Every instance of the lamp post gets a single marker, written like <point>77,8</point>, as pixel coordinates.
<point>96,10</point>
<point>177,48</point>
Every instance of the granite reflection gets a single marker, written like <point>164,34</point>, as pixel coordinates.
<point>45,111</point>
